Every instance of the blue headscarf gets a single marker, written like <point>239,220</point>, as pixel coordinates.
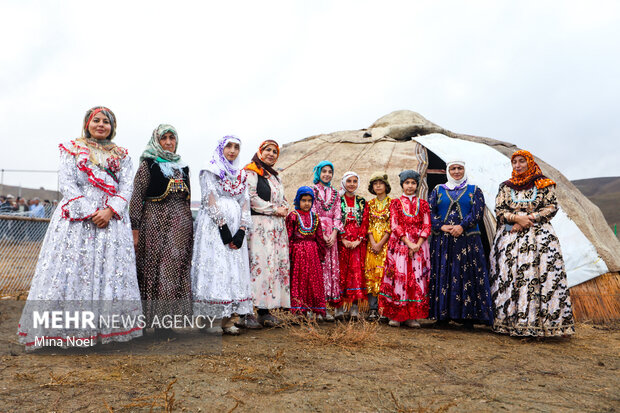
<point>409,173</point>
<point>317,172</point>
<point>304,190</point>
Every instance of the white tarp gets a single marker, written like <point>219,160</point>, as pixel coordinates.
<point>487,168</point>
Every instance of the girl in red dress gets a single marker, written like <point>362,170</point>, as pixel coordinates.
<point>307,249</point>
<point>404,290</point>
<point>351,247</point>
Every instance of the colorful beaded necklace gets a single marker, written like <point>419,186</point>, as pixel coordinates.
<point>307,230</point>
<point>332,201</point>
<point>417,208</point>
<point>356,210</point>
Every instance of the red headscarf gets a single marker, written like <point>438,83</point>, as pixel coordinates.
<point>258,165</point>
<point>530,177</point>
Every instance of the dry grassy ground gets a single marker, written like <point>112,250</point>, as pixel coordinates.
<point>342,367</point>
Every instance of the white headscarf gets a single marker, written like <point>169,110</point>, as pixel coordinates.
<point>454,183</point>
<point>221,166</point>
<point>346,176</point>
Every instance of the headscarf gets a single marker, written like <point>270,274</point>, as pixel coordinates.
<point>455,183</point>
<point>154,149</point>
<point>221,166</point>
<point>346,176</point>
<point>530,177</point>
<point>379,176</point>
<point>317,172</point>
<point>101,152</point>
<point>258,165</point>
<point>88,117</point>
<point>304,190</point>
<point>409,173</point>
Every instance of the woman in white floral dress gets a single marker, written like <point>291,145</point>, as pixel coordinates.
<point>87,260</point>
<point>220,264</point>
<point>268,240</point>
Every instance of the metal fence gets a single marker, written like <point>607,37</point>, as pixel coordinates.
<point>20,242</point>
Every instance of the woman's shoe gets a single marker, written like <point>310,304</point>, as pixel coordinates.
<point>232,330</point>
<point>339,314</point>
<point>373,316</point>
<point>393,323</point>
<point>268,320</point>
<point>412,324</point>
<point>248,321</point>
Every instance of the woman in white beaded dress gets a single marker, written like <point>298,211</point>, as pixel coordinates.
<point>221,283</point>
<point>87,260</point>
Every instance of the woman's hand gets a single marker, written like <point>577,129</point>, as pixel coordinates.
<point>355,244</point>
<point>456,231</point>
<point>102,217</point>
<point>447,228</point>
<point>332,238</point>
<point>523,221</point>
<point>413,248</point>
<point>516,228</point>
<point>232,246</point>
<point>136,237</point>
<point>281,211</point>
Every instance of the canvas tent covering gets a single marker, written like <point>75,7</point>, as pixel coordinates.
<point>406,140</point>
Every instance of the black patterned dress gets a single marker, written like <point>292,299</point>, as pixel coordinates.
<point>528,280</point>
<point>164,252</point>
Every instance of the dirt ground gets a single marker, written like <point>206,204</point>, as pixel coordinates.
<point>330,367</point>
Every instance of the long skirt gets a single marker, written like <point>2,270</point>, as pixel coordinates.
<point>528,283</point>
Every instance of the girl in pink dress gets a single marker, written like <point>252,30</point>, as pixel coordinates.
<point>404,290</point>
<point>327,207</point>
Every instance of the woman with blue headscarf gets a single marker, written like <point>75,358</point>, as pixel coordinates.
<point>327,207</point>
<point>307,250</point>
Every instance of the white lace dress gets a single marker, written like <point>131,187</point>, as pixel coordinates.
<point>220,275</point>
<point>82,267</point>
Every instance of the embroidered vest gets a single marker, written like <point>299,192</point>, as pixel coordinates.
<point>160,186</point>
<point>463,201</point>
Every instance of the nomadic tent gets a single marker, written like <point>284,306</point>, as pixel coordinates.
<point>406,140</point>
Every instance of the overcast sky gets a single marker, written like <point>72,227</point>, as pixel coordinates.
<point>542,75</point>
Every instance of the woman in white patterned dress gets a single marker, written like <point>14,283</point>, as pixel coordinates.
<point>220,264</point>
<point>268,240</point>
<point>87,260</point>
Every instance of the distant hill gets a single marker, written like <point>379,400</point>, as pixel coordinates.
<point>604,193</point>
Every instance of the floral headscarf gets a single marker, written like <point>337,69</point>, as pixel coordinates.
<point>154,149</point>
<point>304,190</point>
<point>221,166</point>
<point>317,172</point>
<point>258,165</point>
<point>530,177</point>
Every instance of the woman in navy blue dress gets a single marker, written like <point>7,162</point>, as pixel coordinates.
<point>459,283</point>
